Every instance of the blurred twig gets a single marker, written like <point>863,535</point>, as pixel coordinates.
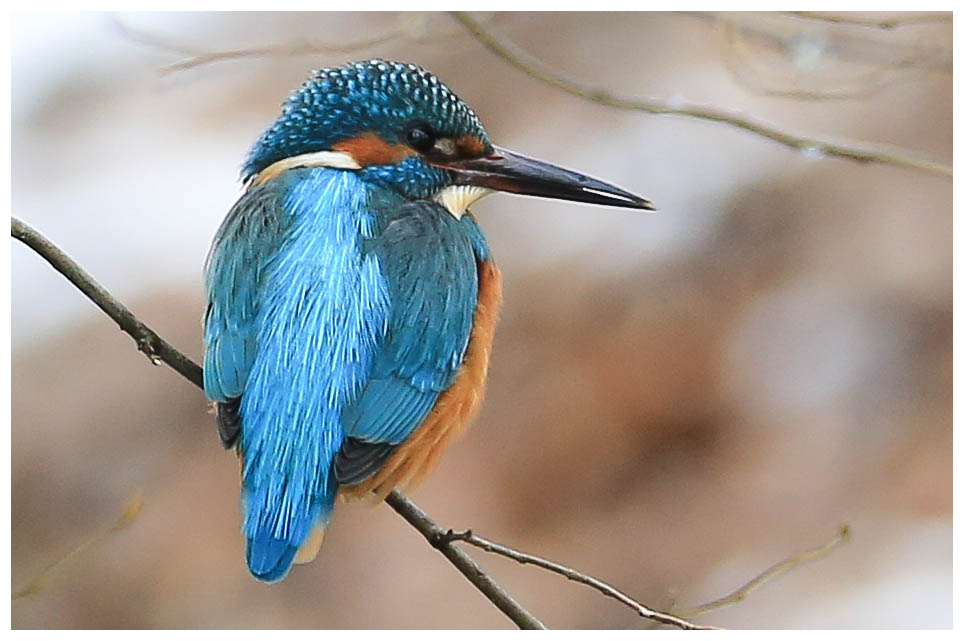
<point>866,64</point>
<point>853,150</point>
<point>656,616</point>
<point>410,26</point>
<point>196,58</point>
<point>779,54</point>
<point>879,23</point>
<point>130,513</point>
<point>772,572</point>
<point>862,46</point>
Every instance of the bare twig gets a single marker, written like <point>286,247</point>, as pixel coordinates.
<point>772,572</point>
<point>130,513</point>
<point>879,23</point>
<point>160,351</point>
<point>437,537</point>
<point>853,150</point>
<point>410,26</point>
<point>524,558</point>
<point>153,346</point>
<point>864,47</point>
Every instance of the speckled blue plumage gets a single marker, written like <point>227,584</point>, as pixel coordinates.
<point>377,96</point>
<point>336,308</point>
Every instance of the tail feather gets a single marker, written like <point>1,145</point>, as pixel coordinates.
<point>269,558</point>
<point>278,537</point>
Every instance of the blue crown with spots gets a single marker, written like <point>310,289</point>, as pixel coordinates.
<point>377,96</point>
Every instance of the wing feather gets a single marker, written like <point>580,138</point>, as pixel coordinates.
<point>428,259</point>
<point>247,237</point>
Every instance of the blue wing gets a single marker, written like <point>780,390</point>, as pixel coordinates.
<point>246,240</point>
<point>430,261</point>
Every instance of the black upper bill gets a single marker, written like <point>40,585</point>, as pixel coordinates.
<point>508,171</point>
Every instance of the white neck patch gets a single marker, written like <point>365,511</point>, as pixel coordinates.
<point>458,198</point>
<point>455,198</point>
<point>333,159</point>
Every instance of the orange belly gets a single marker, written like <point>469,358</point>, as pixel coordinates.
<point>455,407</point>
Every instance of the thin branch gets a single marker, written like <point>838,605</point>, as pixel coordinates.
<point>886,23</point>
<point>853,150</point>
<point>524,558</point>
<point>771,573</point>
<point>160,351</point>
<point>437,538</point>
<point>198,58</point>
<point>153,346</point>
<point>410,26</point>
<point>132,510</point>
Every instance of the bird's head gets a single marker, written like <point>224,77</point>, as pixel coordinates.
<point>399,127</point>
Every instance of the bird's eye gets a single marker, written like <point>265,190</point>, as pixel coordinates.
<point>420,137</point>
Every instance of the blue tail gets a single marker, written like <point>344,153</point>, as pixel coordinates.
<point>269,559</point>
<point>275,532</point>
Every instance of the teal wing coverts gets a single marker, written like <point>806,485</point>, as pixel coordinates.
<point>430,262</point>
<point>336,316</point>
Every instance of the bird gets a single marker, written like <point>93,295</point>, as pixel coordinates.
<point>351,297</point>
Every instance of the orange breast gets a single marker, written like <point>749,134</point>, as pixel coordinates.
<point>456,406</point>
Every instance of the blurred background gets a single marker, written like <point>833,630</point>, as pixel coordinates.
<point>677,399</point>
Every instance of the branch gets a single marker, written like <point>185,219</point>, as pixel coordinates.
<point>413,27</point>
<point>853,150</point>
<point>436,536</point>
<point>771,573</point>
<point>198,58</point>
<point>887,23</point>
<point>154,347</point>
<point>573,575</point>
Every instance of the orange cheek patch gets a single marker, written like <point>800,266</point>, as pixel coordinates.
<point>470,146</point>
<point>369,149</point>
<point>456,406</point>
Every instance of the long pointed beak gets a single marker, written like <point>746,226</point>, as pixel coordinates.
<point>505,170</point>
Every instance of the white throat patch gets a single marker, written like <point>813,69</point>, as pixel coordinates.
<point>458,198</point>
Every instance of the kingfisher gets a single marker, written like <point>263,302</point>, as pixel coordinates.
<point>352,298</point>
